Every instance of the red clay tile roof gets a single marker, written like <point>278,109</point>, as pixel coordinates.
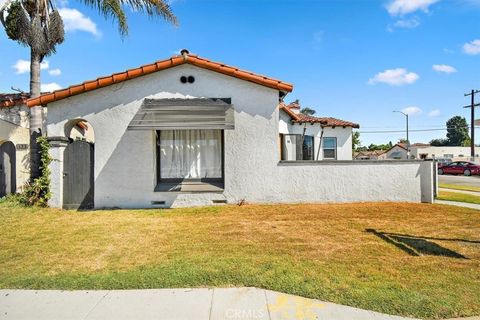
<point>334,122</point>
<point>325,121</point>
<point>12,99</point>
<point>158,66</point>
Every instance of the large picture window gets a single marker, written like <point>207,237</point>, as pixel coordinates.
<point>190,155</point>
<point>329,146</point>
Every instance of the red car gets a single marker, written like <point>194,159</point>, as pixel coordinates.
<point>460,167</point>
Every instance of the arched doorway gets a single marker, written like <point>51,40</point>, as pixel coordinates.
<point>8,177</point>
<point>78,166</point>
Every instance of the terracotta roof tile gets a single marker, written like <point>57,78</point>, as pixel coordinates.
<point>12,99</point>
<point>325,121</point>
<point>158,66</point>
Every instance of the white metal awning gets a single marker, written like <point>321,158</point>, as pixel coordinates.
<point>178,114</point>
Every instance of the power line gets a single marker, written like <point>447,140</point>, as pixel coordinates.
<point>416,130</point>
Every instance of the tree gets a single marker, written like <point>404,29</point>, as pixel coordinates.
<point>308,111</point>
<point>457,131</point>
<point>37,24</point>
<point>439,142</point>
<point>355,140</point>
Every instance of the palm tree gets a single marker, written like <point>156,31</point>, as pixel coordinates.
<point>37,24</point>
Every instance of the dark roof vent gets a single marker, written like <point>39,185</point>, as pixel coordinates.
<point>184,52</point>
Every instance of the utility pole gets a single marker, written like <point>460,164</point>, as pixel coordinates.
<point>408,141</point>
<point>472,120</point>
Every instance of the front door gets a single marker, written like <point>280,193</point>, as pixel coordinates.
<point>78,185</point>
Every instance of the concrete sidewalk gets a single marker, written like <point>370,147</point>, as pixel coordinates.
<point>459,204</point>
<point>172,304</point>
<point>473,193</point>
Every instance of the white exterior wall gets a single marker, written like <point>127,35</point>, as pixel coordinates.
<point>343,135</point>
<point>440,152</point>
<point>125,161</point>
<point>17,135</point>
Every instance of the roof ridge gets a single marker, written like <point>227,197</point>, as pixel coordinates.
<point>159,65</point>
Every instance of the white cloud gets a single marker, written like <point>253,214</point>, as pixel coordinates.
<point>401,7</point>
<point>407,23</point>
<point>394,77</point>
<point>55,72</point>
<point>434,113</point>
<point>75,20</point>
<point>412,111</point>
<point>23,66</point>
<point>49,87</point>
<point>444,68</point>
<point>472,47</point>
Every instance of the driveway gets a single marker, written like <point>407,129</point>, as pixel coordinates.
<point>473,181</point>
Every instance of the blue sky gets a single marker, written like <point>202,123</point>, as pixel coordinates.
<point>355,60</point>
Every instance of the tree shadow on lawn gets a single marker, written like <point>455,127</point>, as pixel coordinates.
<point>417,245</point>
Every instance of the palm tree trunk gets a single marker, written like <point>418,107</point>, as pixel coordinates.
<point>36,115</point>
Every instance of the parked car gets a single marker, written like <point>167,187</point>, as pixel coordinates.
<point>442,162</point>
<point>460,167</point>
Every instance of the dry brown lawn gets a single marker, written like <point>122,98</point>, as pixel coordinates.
<point>408,259</point>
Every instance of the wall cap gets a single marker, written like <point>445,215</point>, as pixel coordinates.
<point>348,162</point>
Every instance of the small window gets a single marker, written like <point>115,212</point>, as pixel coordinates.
<point>329,147</point>
<point>449,156</point>
<point>461,156</point>
<point>297,147</point>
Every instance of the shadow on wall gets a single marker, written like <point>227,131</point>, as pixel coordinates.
<point>128,178</point>
<point>418,245</point>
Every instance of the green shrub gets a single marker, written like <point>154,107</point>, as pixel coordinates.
<point>37,192</point>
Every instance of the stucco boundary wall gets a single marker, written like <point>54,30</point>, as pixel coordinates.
<point>356,181</point>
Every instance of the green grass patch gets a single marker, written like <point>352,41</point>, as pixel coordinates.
<point>457,196</point>
<point>328,252</point>
<point>459,187</point>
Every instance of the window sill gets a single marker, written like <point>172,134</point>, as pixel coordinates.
<point>190,187</point>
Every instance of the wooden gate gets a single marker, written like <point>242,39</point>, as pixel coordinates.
<point>78,183</point>
<point>8,177</point>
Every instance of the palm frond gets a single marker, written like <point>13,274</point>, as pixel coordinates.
<point>114,9</point>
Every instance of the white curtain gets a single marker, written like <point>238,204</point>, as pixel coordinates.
<point>190,154</point>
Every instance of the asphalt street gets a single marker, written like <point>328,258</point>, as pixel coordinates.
<point>473,181</point>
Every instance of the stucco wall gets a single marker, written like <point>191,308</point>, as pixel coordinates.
<point>343,135</point>
<point>125,160</point>
<point>17,135</point>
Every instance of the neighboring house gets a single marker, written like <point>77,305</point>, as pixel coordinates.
<point>189,131</point>
<point>426,151</point>
<point>305,137</point>
<point>396,152</point>
<point>14,142</point>
<point>369,155</point>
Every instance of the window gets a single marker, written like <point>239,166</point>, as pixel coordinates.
<point>190,155</point>
<point>297,147</point>
<point>448,156</point>
<point>329,147</point>
<point>307,147</point>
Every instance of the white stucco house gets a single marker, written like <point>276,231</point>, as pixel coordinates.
<point>306,137</point>
<point>189,131</point>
